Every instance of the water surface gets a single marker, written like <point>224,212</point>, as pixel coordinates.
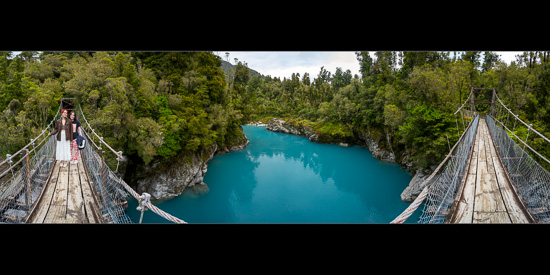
<point>281,178</point>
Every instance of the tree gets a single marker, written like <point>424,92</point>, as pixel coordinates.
<point>365,66</point>
<point>472,57</point>
<point>146,137</point>
<point>489,61</point>
<point>340,79</point>
<point>424,131</point>
<point>323,76</point>
<point>39,104</point>
<point>459,78</point>
<point>428,83</point>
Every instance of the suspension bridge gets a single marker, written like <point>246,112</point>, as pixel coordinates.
<point>35,188</point>
<point>491,175</point>
<point>488,176</point>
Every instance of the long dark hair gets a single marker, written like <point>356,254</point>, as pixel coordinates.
<point>72,112</point>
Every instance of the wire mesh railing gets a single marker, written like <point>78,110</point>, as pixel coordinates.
<point>529,177</point>
<point>523,167</point>
<point>112,196</point>
<point>442,185</point>
<point>113,189</point>
<point>23,176</point>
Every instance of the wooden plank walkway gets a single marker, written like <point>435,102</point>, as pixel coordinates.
<point>487,196</point>
<point>68,197</point>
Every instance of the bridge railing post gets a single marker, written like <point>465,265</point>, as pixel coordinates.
<point>27,177</point>
<point>493,102</point>
<point>102,184</point>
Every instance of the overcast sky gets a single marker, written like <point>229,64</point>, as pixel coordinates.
<point>283,64</point>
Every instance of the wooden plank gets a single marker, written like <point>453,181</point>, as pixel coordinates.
<point>481,150</point>
<point>59,199</point>
<point>489,182</point>
<point>60,195</point>
<point>44,203</point>
<point>90,205</point>
<point>489,154</point>
<point>489,202</point>
<point>491,217</point>
<point>514,209</point>
<point>489,206</point>
<point>487,196</point>
<point>56,214</point>
<point>75,203</point>
<point>465,208</point>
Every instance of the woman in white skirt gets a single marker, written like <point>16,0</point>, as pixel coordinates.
<point>63,129</point>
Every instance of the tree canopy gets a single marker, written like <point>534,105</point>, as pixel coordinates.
<point>155,105</point>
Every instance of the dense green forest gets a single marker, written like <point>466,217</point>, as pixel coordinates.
<point>409,97</point>
<point>155,105</point>
<point>149,105</point>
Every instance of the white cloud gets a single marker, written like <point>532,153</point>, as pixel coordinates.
<point>283,64</point>
<point>508,57</point>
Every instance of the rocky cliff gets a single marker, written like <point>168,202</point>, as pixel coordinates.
<point>187,170</point>
<point>279,125</point>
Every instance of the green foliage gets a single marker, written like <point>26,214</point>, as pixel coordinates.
<point>154,105</point>
<point>410,96</point>
<point>149,105</point>
<point>424,131</point>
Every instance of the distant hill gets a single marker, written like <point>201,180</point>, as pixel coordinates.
<point>226,67</point>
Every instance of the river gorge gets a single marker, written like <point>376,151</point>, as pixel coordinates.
<point>286,178</point>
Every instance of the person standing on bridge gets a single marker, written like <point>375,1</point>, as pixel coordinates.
<point>64,131</point>
<point>76,130</point>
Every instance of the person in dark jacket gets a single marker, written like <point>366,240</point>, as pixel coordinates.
<point>63,129</point>
<point>76,131</point>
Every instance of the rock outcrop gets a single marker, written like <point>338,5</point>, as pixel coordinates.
<point>281,126</point>
<point>187,170</point>
<point>377,151</point>
<point>303,129</point>
<point>416,185</point>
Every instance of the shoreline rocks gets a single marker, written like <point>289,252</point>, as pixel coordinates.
<point>257,123</point>
<point>281,126</point>
<point>185,172</point>
<point>416,185</point>
<point>377,151</point>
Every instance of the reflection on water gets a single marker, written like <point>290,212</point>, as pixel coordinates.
<point>280,178</point>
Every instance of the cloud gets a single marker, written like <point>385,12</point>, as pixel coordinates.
<point>508,57</point>
<point>283,64</point>
<point>344,60</point>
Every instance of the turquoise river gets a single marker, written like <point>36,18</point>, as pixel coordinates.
<point>282,178</point>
